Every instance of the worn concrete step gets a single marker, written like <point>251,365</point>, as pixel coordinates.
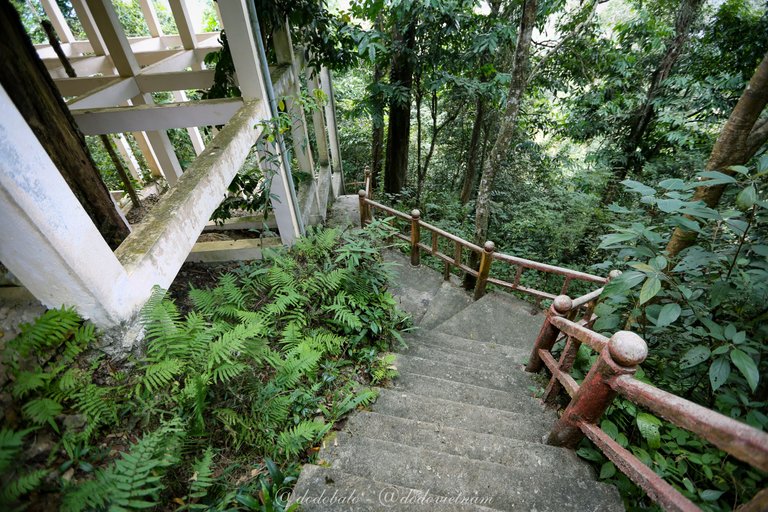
<point>503,381</point>
<point>461,358</point>
<point>517,487</point>
<point>424,385</point>
<point>473,445</point>
<point>413,287</point>
<point>449,300</point>
<point>480,349</point>
<point>498,318</point>
<point>525,426</point>
<point>324,489</point>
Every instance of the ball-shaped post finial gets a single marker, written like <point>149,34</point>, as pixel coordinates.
<point>361,193</point>
<point>489,246</point>
<point>613,274</point>
<point>562,304</point>
<point>415,213</point>
<point>627,348</point>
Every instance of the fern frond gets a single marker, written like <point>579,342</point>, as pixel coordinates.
<point>159,375</point>
<point>292,441</point>
<point>11,444</point>
<point>29,381</point>
<point>43,410</point>
<point>15,489</point>
<point>202,479</point>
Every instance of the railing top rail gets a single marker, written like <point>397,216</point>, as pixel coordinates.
<point>387,209</point>
<point>739,439</point>
<point>589,297</point>
<point>535,265</point>
<point>594,340</point>
<point>449,236</point>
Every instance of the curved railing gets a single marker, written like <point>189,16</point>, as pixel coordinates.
<point>610,375</point>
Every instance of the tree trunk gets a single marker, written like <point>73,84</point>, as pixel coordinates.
<point>27,82</point>
<point>630,160</point>
<point>377,133</point>
<point>474,152</point>
<point>399,129</point>
<point>743,134</point>
<point>508,121</point>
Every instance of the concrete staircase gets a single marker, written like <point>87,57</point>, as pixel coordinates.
<point>459,429</point>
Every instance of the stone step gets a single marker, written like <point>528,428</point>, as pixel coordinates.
<point>323,489</point>
<point>525,426</point>
<point>413,287</point>
<point>498,318</point>
<point>425,385</point>
<point>449,300</point>
<point>453,441</point>
<point>461,358</point>
<point>503,381</point>
<point>480,349</point>
<point>509,487</point>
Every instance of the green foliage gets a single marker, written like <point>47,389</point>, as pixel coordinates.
<point>702,316</point>
<point>259,370</point>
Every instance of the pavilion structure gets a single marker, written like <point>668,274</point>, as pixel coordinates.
<point>49,242</point>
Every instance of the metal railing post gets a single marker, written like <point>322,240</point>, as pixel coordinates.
<point>548,332</point>
<point>620,356</point>
<point>363,208</point>
<point>486,258</point>
<point>415,238</point>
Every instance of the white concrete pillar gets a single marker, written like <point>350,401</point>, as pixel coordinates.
<point>286,214</point>
<point>318,120</point>
<point>46,238</point>
<point>234,16</point>
<point>130,159</point>
<point>330,117</point>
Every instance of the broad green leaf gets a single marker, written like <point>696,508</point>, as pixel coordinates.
<point>762,163</point>
<point>747,197</point>
<point>719,371</point>
<point>739,169</point>
<point>710,495</point>
<point>610,428</point>
<point>650,289</point>
<point>623,283</point>
<point>715,178</point>
<point>746,366</point>
<point>616,238</point>
<point>590,454</point>
<point>669,313</point>
<point>694,356</point>
<point>636,186</point>
<point>669,205</point>
<point>607,470</point>
<point>649,429</point>
<point>673,184</point>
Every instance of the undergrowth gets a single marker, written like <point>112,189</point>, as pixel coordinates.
<point>225,402</point>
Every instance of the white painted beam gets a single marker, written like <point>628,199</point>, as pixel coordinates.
<point>175,80</point>
<point>183,23</point>
<point>156,117</point>
<point>54,14</point>
<point>194,133</point>
<point>142,141</point>
<point>330,117</point>
<point>89,26</point>
<point>114,37</point>
<point>150,16</point>
<point>79,86</point>
<point>114,93</point>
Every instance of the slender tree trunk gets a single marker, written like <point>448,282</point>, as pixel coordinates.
<point>27,82</point>
<point>507,123</point>
<point>419,97</point>
<point>742,135</point>
<point>377,134</point>
<point>399,129</point>
<point>631,159</point>
<point>474,151</point>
